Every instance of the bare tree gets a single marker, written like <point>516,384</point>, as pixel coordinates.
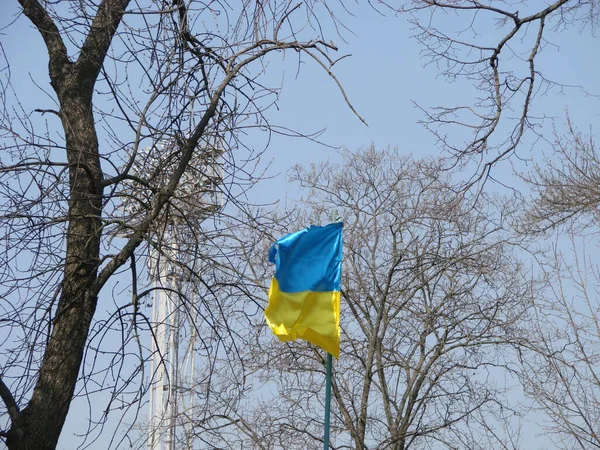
<point>432,314</point>
<point>563,374</point>
<point>146,99</point>
<point>495,47</point>
<point>566,186</point>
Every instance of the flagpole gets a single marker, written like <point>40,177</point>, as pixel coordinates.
<point>327,403</point>
<point>335,217</point>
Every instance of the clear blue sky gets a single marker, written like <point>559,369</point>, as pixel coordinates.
<point>382,78</point>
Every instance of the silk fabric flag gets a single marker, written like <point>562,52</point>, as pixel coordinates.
<point>304,297</point>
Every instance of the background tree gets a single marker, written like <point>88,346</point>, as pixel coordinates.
<point>433,305</point>
<point>566,192</point>
<point>497,48</point>
<point>561,371</point>
<point>144,96</point>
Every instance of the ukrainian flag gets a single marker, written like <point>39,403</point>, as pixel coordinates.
<point>304,298</point>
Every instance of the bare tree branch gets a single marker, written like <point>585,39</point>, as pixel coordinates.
<point>9,401</point>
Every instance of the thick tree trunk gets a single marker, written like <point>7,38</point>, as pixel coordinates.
<point>41,422</point>
<point>38,426</point>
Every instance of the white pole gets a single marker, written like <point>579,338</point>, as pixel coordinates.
<point>171,406</point>
<point>160,357</point>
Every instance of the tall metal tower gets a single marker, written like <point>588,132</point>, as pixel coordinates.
<point>171,370</point>
<point>172,380</point>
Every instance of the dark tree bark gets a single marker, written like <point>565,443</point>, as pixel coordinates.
<point>39,424</point>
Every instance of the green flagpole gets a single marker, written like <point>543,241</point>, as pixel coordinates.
<point>327,403</point>
<point>335,217</point>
